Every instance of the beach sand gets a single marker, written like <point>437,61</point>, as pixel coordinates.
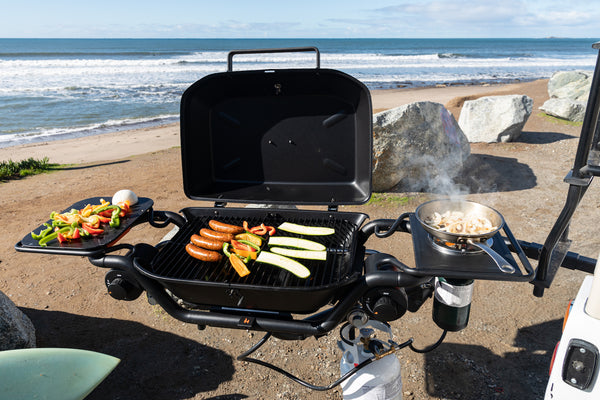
<point>503,353</point>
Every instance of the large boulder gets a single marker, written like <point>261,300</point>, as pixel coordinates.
<point>564,108</point>
<point>574,85</point>
<point>569,92</point>
<point>416,145</point>
<point>495,118</point>
<point>16,329</point>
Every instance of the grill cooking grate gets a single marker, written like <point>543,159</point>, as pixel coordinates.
<point>173,262</point>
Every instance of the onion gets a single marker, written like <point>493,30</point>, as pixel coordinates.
<point>125,195</point>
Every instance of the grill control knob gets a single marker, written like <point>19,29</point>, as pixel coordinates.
<point>118,287</point>
<point>385,309</point>
<point>386,304</point>
<point>121,288</point>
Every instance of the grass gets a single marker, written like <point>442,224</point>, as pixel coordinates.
<point>16,170</point>
<point>388,199</point>
<point>559,121</point>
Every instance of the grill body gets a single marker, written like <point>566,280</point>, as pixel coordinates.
<point>267,287</point>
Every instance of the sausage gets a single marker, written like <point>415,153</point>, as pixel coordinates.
<point>210,234</point>
<point>225,228</point>
<point>206,243</point>
<point>202,254</point>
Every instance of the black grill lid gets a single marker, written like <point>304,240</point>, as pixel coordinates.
<point>299,136</point>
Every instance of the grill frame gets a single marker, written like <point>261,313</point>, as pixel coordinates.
<point>279,291</point>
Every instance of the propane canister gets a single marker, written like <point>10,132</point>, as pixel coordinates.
<point>379,380</point>
<point>452,303</point>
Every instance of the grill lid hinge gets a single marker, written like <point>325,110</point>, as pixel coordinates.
<point>220,204</point>
<point>332,207</point>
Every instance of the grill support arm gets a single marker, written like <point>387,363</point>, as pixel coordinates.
<point>383,228</point>
<point>284,327</point>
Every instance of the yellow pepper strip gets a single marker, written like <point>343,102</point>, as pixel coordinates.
<point>86,211</point>
<point>102,204</point>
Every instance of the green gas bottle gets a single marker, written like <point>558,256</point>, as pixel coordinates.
<point>452,303</point>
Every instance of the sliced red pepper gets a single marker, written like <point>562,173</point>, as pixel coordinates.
<point>104,220</point>
<point>124,208</point>
<point>241,246</point>
<point>271,230</point>
<point>60,237</point>
<point>75,234</point>
<point>105,213</point>
<point>245,226</point>
<point>91,230</point>
<point>259,230</point>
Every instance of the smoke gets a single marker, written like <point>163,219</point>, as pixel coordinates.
<point>434,175</point>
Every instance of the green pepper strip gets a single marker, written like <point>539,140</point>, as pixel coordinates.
<point>114,218</point>
<point>226,250</point>
<point>249,243</point>
<point>43,232</point>
<point>53,235</point>
<point>106,207</point>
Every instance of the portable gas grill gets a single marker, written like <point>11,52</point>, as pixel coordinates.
<point>279,137</point>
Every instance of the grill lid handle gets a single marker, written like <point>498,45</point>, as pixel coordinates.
<point>277,50</point>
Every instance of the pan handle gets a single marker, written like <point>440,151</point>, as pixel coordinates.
<point>265,51</point>
<point>502,264</point>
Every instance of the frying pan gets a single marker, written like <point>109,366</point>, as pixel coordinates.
<point>468,208</point>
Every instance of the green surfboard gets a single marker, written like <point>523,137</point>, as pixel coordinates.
<point>52,373</point>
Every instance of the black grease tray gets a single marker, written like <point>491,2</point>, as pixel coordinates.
<point>89,246</point>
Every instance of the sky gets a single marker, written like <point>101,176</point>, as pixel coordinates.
<point>299,19</point>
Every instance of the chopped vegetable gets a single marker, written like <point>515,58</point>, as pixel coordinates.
<point>260,230</point>
<point>250,237</point>
<point>125,195</point>
<point>242,246</point>
<point>307,254</point>
<point>250,244</point>
<point>306,230</point>
<point>91,230</point>
<point>238,265</point>
<point>246,254</point>
<point>286,263</point>
<point>295,242</point>
<point>75,224</point>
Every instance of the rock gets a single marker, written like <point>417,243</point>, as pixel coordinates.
<point>574,85</point>
<point>417,144</point>
<point>565,108</point>
<point>495,118</point>
<point>16,329</point>
<point>569,92</point>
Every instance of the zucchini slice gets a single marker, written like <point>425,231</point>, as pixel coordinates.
<point>286,263</point>
<point>295,242</point>
<point>306,230</point>
<point>307,254</point>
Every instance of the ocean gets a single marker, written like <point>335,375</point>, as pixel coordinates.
<point>54,89</point>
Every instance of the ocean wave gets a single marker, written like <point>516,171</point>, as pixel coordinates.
<point>82,54</point>
<point>77,86</point>
<point>50,134</point>
<point>209,63</point>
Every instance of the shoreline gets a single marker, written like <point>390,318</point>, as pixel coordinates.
<point>131,142</point>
